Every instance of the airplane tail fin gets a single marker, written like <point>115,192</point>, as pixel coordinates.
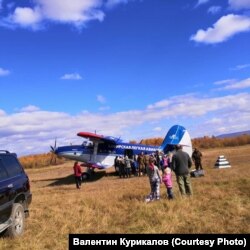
<point>177,135</point>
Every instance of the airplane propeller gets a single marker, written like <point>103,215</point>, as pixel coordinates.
<point>52,149</point>
<point>53,155</point>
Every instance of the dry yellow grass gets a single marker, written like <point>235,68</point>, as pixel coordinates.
<point>107,204</point>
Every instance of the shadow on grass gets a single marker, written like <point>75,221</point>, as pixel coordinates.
<point>70,179</point>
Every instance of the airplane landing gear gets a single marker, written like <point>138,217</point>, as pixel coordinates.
<point>87,175</point>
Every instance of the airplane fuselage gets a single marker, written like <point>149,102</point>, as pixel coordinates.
<point>103,154</point>
<point>100,151</point>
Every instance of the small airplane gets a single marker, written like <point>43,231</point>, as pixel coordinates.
<point>99,151</point>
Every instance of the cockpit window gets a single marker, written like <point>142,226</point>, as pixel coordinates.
<point>88,144</point>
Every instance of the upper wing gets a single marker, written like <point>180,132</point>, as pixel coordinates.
<point>98,138</point>
<point>91,136</point>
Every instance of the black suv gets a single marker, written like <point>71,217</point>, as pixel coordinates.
<point>15,195</point>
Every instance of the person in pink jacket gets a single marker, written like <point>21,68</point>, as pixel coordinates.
<point>167,180</point>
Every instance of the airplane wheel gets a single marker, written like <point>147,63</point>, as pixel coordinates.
<point>85,176</point>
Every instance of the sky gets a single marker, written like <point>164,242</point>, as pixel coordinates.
<point>125,68</point>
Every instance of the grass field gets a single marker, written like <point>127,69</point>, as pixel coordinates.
<point>107,204</point>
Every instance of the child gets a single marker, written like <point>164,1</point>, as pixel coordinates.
<point>154,180</point>
<point>167,180</point>
<point>164,163</point>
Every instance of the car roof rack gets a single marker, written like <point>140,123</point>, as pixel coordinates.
<point>5,151</point>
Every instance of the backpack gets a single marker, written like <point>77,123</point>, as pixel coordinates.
<point>197,173</point>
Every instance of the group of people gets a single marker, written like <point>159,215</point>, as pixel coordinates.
<point>125,165</point>
<point>178,162</point>
<point>137,164</point>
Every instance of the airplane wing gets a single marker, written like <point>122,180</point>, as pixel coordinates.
<point>98,138</point>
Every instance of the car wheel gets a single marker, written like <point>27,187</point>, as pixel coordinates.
<point>17,226</point>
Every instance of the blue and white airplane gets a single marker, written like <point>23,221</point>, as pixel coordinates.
<point>100,151</point>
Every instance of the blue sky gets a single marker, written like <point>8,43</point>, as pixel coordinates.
<point>129,68</point>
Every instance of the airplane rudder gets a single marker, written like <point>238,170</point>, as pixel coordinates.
<point>173,137</point>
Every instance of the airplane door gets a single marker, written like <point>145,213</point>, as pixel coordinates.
<point>129,153</point>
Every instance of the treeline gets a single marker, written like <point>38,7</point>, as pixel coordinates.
<point>214,142</point>
<point>153,141</point>
<point>40,160</point>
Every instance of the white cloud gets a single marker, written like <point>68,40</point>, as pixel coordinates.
<point>30,108</point>
<point>230,81</point>
<point>201,2</point>
<point>26,17</point>
<point>157,129</point>
<point>74,76</point>
<point>104,108</point>
<point>159,104</point>
<point>112,3</point>
<point>22,130</point>
<point>101,99</point>
<point>223,29</point>
<point>237,85</point>
<point>241,66</point>
<point>225,123</point>
<point>239,4</point>
<point>4,72</point>
<point>214,9</point>
<point>2,113</point>
<point>76,12</point>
